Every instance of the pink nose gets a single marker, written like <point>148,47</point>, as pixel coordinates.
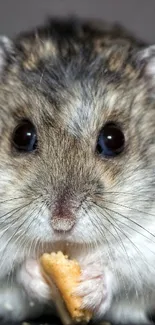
<point>63,218</point>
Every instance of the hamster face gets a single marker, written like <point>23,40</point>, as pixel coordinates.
<point>77,146</point>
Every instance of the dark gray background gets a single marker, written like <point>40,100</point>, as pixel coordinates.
<point>137,15</point>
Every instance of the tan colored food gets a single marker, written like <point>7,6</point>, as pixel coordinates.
<point>65,274</point>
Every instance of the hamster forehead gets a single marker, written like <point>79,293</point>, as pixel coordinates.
<point>81,78</point>
<point>80,94</point>
<point>81,107</point>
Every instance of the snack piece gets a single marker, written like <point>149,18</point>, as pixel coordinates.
<point>65,274</point>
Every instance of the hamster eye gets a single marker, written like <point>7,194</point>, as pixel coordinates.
<point>111,140</point>
<point>24,137</point>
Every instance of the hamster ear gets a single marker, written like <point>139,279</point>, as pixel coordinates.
<point>6,52</point>
<point>146,59</point>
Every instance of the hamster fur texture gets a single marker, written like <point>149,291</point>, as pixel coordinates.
<point>64,183</point>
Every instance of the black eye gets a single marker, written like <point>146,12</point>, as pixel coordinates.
<point>24,137</point>
<point>111,140</point>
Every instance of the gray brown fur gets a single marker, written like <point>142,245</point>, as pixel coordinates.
<point>69,79</point>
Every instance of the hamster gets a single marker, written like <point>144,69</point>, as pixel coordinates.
<point>77,168</point>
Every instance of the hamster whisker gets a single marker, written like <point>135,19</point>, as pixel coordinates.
<point>116,228</point>
<point>128,260</point>
<point>114,219</point>
<point>102,231</point>
<point>21,243</point>
<point>140,253</point>
<point>129,239</point>
<point>137,195</point>
<point>33,249</point>
<point>130,208</point>
<point>88,245</point>
<point>126,217</point>
<point>121,230</point>
<point>110,251</point>
<point>6,217</point>
<point>138,232</point>
<point>16,231</point>
<point>29,225</point>
<point>148,265</point>
<point>10,213</point>
<point>17,198</point>
<point>133,221</point>
<point>9,224</point>
<point>127,226</point>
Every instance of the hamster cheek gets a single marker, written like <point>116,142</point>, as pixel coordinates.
<point>31,278</point>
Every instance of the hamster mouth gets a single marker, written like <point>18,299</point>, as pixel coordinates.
<point>69,248</point>
<point>63,245</point>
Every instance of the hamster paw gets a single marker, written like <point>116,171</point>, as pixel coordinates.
<point>31,278</point>
<point>95,288</point>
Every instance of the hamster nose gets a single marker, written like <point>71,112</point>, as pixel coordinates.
<point>63,219</point>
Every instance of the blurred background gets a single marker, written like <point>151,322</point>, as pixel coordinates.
<point>137,15</point>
